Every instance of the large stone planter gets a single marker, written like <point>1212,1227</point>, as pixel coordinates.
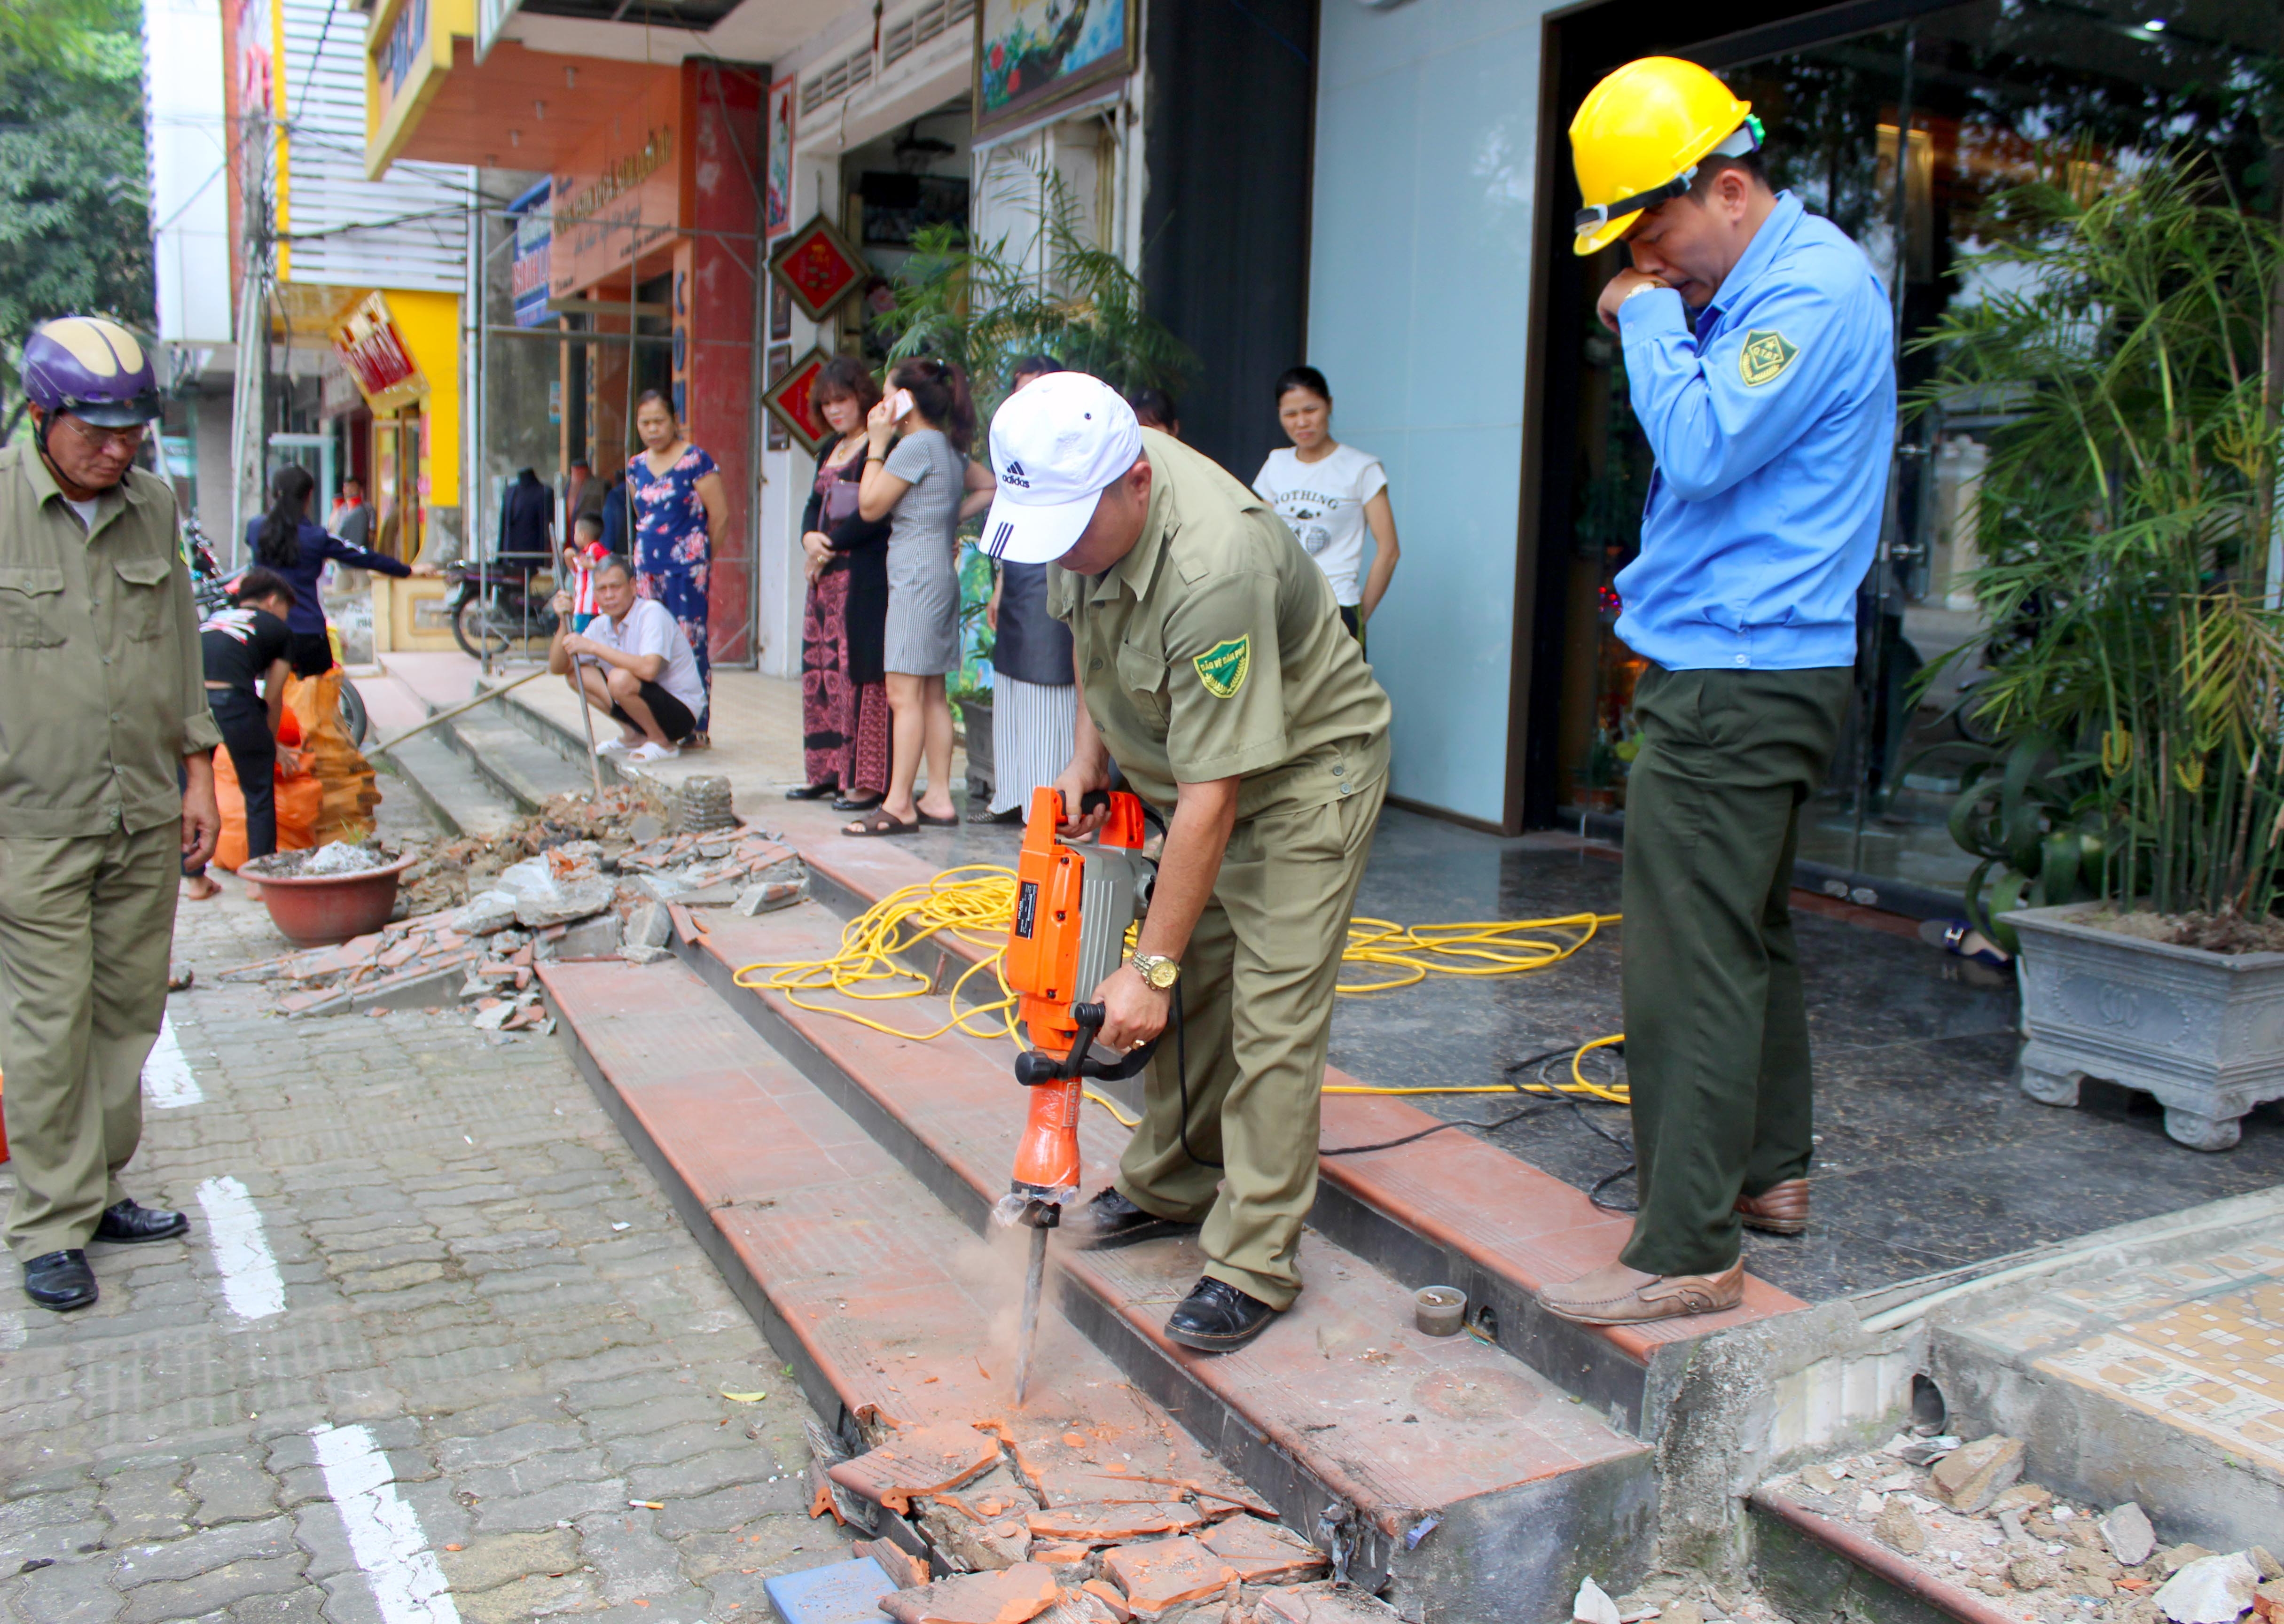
<point>2202,1032</point>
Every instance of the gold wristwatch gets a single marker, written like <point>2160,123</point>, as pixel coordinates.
<point>1156,969</point>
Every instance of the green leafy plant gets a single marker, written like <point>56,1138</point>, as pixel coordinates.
<point>2134,688</point>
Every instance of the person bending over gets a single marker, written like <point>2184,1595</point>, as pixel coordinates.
<point>245,644</point>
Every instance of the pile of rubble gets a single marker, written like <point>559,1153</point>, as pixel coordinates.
<point>334,857</point>
<point>1012,1539</point>
<point>624,816</point>
<point>577,899</point>
<point>1960,1513</point>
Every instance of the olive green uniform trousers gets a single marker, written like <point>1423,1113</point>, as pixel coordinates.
<point>1257,1013</point>
<point>1716,1027</point>
<point>86,926</point>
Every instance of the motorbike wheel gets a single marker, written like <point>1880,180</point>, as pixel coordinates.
<point>474,630</point>
<point>354,721</point>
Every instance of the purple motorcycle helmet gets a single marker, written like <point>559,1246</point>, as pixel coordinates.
<point>93,368</point>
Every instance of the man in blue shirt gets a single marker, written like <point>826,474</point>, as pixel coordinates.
<point>1760,360</point>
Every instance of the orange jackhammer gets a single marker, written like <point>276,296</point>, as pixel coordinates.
<point>1073,907</point>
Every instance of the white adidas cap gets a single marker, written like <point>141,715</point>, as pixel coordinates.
<point>1056,447</point>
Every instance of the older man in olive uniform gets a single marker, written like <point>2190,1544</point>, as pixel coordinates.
<point>1214,671</point>
<point>107,719</point>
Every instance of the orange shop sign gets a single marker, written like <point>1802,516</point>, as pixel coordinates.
<point>376,353</point>
<point>621,194</point>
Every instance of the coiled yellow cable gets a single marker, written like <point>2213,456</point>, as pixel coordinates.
<point>974,903</point>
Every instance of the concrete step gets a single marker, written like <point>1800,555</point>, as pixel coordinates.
<point>1819,1570</point>
<point>459,797</point>
<point>1447,1210</point>
<point>2147,1364</point>
<point>1472,1486</point>
<point>524,770</point>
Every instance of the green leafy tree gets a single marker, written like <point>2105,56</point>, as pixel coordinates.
<point>75,209</point>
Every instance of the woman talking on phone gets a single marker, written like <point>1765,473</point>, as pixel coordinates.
<point>923,487</point>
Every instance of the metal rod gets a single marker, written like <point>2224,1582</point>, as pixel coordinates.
<point>587,720</point>
<point>485,698</point>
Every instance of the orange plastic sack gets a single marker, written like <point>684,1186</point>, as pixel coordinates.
<point>299,798</point>
<point>349,794</point>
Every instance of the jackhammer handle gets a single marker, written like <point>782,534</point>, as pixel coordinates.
<point>1033,1069</point>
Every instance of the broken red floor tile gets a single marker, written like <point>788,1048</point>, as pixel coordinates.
<point>1327,1601</point>
<point>1061,1556</point>
<point>1167,1572</point>
<point>1112,1523</point>
<point>821,1487</point>
<point>1107,1593</point>
<point>1009,1595</point>
<point>1263,1552</point>
<point>924,1461</point>
<point>904,1570</point>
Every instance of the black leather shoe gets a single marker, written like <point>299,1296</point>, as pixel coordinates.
<point>1216,1317</point>
<point>856,803</point>
<point>127,1224</point>
<point>1111,1220</point>
<point>813,791</point>
<point>60,1280</point>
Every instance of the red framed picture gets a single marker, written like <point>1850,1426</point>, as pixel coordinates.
<point>819,267</point>
<point>788,400</point>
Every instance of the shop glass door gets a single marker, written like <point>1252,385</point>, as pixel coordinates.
<point>1903,137</point>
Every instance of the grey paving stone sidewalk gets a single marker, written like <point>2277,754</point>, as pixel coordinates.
<point>494,1335</point>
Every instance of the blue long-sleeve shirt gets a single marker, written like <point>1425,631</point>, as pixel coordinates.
<point>1772,418</point>
<point>318,548</point>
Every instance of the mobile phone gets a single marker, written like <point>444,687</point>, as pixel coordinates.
<point>900,405</point>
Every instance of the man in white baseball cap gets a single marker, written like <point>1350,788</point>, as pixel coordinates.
<point>1212,667</point>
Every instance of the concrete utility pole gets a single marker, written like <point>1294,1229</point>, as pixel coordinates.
<point>250,387</point>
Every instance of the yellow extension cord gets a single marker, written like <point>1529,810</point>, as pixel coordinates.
<point>975,903</point>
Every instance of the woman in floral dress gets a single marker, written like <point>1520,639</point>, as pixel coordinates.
<point>681,511</point>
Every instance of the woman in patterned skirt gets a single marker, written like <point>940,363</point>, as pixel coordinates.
<point>844,699</point>
<point>681,509</point>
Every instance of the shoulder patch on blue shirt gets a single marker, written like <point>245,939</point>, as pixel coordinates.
<point>1765,355</point>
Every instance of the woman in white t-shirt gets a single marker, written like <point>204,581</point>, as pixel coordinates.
<point>1330,494</point>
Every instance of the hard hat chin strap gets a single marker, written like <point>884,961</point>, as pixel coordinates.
<point>1745,138</point>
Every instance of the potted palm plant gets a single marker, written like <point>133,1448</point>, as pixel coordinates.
<point>2131,816</point>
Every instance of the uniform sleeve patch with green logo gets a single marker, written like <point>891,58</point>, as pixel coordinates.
<point>1223,667</point>
<point>1764,357</point>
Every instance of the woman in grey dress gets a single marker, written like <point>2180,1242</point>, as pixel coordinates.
<point>923,487</point>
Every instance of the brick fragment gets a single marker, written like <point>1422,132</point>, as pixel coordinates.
<point>904,1570</point>
<point>1971,1477</point>
<point>924,1461</point>
<point>1010,1595</point>
<point>1107,1593</point>
<point>1264,1553</point>
<point>1167,1572</point>
<point>1112,1523</point>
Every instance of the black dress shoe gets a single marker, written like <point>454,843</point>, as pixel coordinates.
<point>127,1224</point>
<point>856,803</point>
<point>60,1280</point>
<point>1111,1220</point>
<point>1216,1317</point>
<point>813,791</point>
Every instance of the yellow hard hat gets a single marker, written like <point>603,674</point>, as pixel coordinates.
<point>1640,135</point>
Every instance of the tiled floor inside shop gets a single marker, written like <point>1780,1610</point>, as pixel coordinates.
<point>1930,1157</point>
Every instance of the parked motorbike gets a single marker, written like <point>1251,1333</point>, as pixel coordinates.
<point>495,610</point>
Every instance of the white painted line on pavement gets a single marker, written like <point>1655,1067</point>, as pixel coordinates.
<point>250,1282</point>
<point>168,1080</point>
<point>385,1535</point>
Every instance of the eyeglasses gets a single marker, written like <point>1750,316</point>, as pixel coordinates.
<point>95,438</point>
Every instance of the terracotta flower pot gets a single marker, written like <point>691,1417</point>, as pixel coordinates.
<point>320,910</point>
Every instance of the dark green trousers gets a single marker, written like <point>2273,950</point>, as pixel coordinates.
<point>1717,1029</point>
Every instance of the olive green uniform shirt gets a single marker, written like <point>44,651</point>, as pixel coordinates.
<point>98,657</point>
<point>1214,650</point>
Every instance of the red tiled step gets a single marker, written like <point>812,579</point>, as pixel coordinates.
<point>1355,1427</point>
<point>1450,1210</point>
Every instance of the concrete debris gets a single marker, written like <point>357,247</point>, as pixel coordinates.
<point>457,869</point>
<point>649,926</point>
<point>597,937</point>
<point>554,890</point>
<point>1329,1602</point>
<point>1108,1595</point>
<point>1264,1552</point>
<point>485,912</point>
<point>904,1570</point>
<point>770,896</point>
<point>2129,1536</point>
<point>640,953</point>
<point>335,857</point>
<point>1112,1523</point>
<point>1009,1595</point>
<point>2264,1564</point>
<point>972,1541</point>
<point>1896,1526</point>
<point>1593,1604</point>
<point>2175,1558</point>
<point>2268,1600</point>
<point>2020,1498</point>
<point>1970,1476</point>
<point>1818,1479</point>
<point>1919,1451</point>
<point>2210,1590</point>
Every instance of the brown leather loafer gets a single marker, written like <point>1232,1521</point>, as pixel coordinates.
<point>1616,1295</point>
<point>1780,1209</point>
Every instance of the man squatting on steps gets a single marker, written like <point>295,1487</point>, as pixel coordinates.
<point>1766,388</point>
<point>1213,668</point>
